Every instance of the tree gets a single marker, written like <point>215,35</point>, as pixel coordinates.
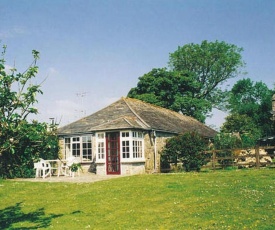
<point>242,125</point>
<point>239,123</point>
<point>21,141</point>
<point>186,148</point>
<point>192,83</point>
<point>249,104</point>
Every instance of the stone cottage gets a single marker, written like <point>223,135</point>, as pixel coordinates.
<point>126,137</point>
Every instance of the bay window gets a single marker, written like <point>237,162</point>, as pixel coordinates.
<point>131,145</point>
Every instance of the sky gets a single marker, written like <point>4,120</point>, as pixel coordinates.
<point>92,52</point>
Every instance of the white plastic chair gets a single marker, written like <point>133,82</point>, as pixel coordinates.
<point>42,169</point>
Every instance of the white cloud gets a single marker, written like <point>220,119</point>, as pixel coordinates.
<point>12,32</point>
<point>52,70</point>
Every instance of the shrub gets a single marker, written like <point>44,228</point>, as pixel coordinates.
<point>186,148</point>
<point>35,142</point>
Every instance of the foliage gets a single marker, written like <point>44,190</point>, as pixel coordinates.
<point>249,140</point>
<point>186,148</point>
<point>243,125</point>
<point>225,142</point>
<point>249,104</point>
<point>228,141</point>
<point>21,141</point>
<point>31,142</point>
<point>238,123</point>
<point>236,199</point>
<point>192,84</point>
<point>75,166</point>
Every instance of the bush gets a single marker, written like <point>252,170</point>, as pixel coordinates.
<point>186,148</point>
<point>35,142</point>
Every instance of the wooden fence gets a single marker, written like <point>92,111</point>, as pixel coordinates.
<point>233,157</point>
<point>260,156</point>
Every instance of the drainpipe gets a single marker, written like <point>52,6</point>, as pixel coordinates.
<point>155,150</point>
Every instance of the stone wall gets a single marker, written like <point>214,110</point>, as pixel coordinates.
<point>132,168</point>
<point>153,147</point>
<point>62,150</point>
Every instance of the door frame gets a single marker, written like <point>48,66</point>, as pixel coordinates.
<point>113,166</point>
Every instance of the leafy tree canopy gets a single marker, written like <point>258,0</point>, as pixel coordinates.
<point>249,104</point>
<point>192,83</point>
<point>21,141</point>
<point>238,123</point>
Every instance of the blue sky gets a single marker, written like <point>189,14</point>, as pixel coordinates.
<point>94,51</point>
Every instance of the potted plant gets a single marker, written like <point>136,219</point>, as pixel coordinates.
<point>75,167</point>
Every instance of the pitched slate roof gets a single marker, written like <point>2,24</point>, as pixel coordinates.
<point>129,113</point>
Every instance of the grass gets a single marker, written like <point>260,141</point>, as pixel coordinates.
<point>233,199</point>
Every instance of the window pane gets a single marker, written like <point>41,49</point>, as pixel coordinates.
<point>100,135</point>
<point>137,149</point>
<point>125,134</point>
<point>86,148</point>
<point>125,149</point>
<point>76,149</point>
<point>100,150</point>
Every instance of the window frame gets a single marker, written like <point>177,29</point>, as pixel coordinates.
<point>133,137</point>
<point>101,139</point>
<point>75,144</point>
<point>87,146</point>
<point>125,144</point>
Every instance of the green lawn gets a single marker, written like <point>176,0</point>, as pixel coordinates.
<point>237,199</point>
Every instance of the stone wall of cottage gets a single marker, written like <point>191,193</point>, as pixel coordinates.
<point>153,150</point>
<point>101,169</point>
<point>61,145</point>
<point>132,168</point>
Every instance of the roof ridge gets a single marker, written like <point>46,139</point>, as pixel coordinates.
<point>132,110</point>
<point>125,119</point>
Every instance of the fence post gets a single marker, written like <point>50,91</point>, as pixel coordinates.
<point>213,159</point>
<point>257,155</point>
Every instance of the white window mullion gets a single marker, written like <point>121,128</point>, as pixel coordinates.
<point>131,149</point>
<point>81,148</point>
